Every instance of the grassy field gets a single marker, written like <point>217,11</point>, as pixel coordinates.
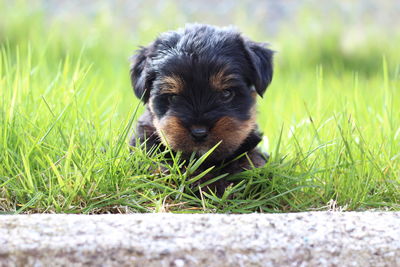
<point>331,119</point>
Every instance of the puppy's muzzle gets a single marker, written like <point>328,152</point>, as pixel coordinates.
<point>199,133</point>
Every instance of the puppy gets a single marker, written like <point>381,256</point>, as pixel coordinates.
<point>200,86</point>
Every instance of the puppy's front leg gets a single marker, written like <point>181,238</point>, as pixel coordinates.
<point>145,131</point>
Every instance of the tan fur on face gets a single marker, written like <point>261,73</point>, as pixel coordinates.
<point>171,131</point>
<point>221,80</point>
<point>232,132</point>
<point>172,85</point>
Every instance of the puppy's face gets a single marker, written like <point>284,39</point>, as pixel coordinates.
<point>201,85</point>
<point>196,107</point>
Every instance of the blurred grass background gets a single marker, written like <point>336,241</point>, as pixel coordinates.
<point>331,116</point>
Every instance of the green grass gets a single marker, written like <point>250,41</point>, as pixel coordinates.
<point>331,119</point>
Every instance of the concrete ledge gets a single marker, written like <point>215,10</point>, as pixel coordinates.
<point>297,239</point>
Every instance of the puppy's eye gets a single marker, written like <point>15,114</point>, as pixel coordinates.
<point>227,95</point>
<point>172,98</point>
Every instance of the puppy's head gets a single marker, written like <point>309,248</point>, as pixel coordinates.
<point>201,84</point>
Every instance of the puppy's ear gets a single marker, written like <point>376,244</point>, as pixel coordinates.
<point>261,59</point>
<point>140,75</point>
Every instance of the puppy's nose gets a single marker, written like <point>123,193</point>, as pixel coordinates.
<point>199,133</point>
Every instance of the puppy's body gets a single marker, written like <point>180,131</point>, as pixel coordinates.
<point>200,86</point>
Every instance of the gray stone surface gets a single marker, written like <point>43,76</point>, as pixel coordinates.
<point>297,239</point>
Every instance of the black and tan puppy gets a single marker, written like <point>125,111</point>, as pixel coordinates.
<point>200,85</point>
